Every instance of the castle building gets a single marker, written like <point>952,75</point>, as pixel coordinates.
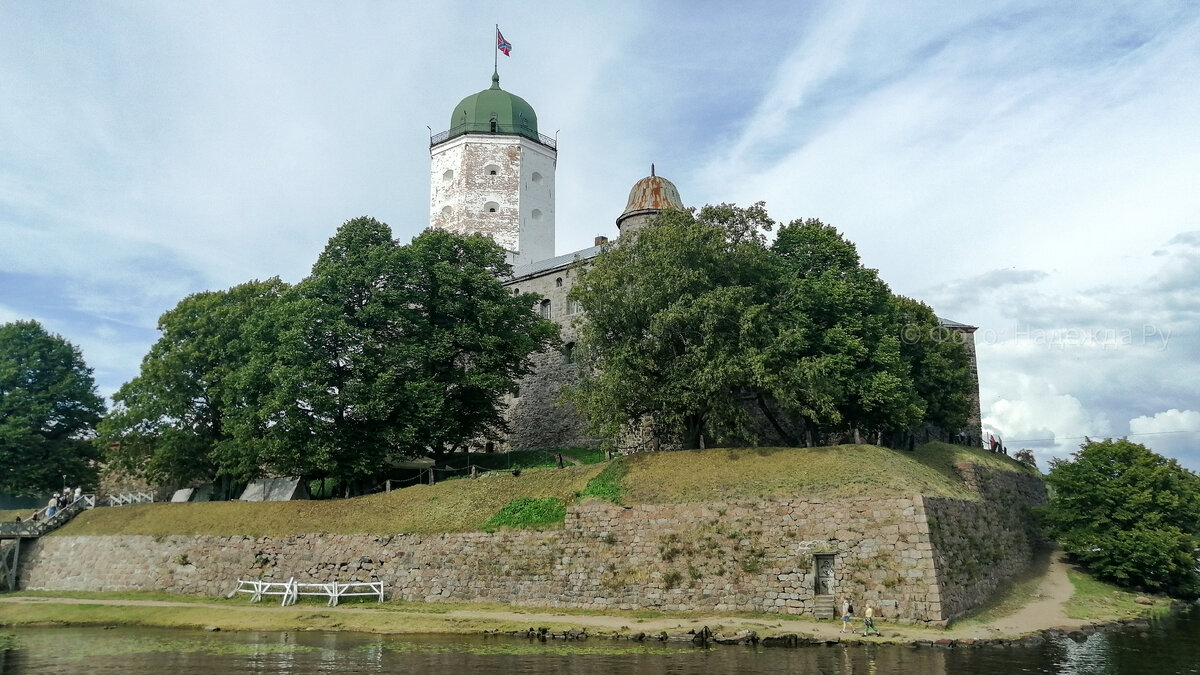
<point>492,173</point>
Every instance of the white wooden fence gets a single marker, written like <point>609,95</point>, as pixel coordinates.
<point>290,590</point>
<point>130,498</point>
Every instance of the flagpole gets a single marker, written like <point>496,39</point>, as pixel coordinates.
<point>496,50</point>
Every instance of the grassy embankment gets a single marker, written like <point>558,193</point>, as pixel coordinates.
<point>535,498</point>
<point>465,505</point>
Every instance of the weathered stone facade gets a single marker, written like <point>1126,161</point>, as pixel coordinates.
<point>914,558</point>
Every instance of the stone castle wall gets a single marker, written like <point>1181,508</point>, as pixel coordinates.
<point>910,557</point>
<point>980,545</point>
<point>538,417</point>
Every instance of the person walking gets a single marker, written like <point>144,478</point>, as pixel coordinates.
<point>847,611</point>
<point>52,506</point>
<point>869,622</point>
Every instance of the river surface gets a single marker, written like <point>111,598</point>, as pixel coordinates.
<point>1170,645</point>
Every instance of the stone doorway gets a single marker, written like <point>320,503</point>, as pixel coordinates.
<point>823,586</point>
<point>824,565</point>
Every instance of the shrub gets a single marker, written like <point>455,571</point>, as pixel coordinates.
<point>1130,516</point>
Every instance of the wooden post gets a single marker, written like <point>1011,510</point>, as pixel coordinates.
<point>389,485</point>
<point>431,478</point>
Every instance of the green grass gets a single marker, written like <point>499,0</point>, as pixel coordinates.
<point>11,515</point>
<point>1096,600</point>
<point>469,505</point>
<point>528,512</point>
<point>837,471</point>
<point>452,506</point>
<point>607,485</point>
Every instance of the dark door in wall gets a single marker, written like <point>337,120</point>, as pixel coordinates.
<point>824,585</point>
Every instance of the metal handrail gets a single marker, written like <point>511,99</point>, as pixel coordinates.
<point>488,128</point>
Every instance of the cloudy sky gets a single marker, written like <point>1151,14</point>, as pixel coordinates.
<point>1030,168</point>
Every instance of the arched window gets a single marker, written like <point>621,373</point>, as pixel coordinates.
<point>491,207</point>
<point>491,169</point>
<point>516,291</point>
<point>544,309</point>
<point>537,214</point>
<point>569,352</point>
<point>445,211</point>
<point>558,282</point>
<point>449,175</point>
<point>536,178</point>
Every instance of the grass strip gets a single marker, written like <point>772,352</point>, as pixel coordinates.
<point>1095,600</point>
<point>528,512</point>
<point>607,485</point>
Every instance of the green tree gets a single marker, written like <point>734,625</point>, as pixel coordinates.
<point>698,328</point>
<point>48,410</point>
<point>677,318</point>
<point>472,338</point>
<point>388,351</point>
<point>837,362</point>
<point>172,423</point>
<point>938,363</point>
<point>1129,515</point>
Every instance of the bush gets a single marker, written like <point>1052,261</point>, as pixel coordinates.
<point>1130,516</point>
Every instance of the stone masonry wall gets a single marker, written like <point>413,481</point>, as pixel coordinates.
<point>979,545</point>
<point>751,556</point>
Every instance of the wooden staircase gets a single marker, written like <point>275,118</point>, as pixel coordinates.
<point>11,535</point>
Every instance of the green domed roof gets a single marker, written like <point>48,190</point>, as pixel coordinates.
<point>494,110</point>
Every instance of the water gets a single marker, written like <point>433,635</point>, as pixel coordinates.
<point>1171,645</point>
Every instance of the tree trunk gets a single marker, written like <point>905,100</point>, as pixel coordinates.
<point>787,438</point>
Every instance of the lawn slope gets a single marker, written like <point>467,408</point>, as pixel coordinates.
<point>466,505</point>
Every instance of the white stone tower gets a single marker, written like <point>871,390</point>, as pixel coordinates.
<point>493,173</point>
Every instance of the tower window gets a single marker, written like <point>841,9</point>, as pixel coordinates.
<point>536,178</point>
<point>445,211</point>
<point>544,309</point>
<point>537,214</point>
<point>491,169</point>
<point>491,207</point>
<point>449,175</point>
<point>558,282</point>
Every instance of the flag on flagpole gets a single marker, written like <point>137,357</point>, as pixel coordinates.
<point>502,44</point>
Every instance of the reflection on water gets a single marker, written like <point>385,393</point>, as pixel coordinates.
<point>1169,646</point>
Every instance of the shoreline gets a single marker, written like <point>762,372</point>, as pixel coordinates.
<point>1028,613</point>
<point>29,610</point>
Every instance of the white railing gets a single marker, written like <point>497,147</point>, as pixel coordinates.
<point>290,590</point>
<point>130,498</point>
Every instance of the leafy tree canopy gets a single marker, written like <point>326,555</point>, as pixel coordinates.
<point>48,410</point>
<point>1129,515</point>
<point>383,352</point>
<point>388,351</point>
<point>172,423</point>
<point>700,328</point>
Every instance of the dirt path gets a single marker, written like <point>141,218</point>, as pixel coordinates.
<point>1045,611</point>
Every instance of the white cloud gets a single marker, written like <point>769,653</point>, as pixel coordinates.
<point>1174,433</point>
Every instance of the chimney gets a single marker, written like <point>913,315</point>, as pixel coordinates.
<point>600,239</point>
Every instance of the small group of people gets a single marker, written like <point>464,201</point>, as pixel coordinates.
<point>59,501</point>
<point>848,616</point>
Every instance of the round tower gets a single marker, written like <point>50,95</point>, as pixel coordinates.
<point>493,173</point>
<point>649,197</point>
